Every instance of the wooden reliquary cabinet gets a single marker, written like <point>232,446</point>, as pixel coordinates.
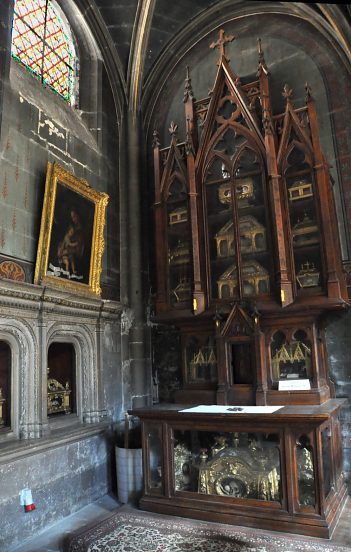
<point>276,470</point>
<point>248,266</point>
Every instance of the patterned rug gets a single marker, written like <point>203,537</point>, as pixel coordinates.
<point>135,531</point>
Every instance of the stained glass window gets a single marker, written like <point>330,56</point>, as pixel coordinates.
<point>42,41</point>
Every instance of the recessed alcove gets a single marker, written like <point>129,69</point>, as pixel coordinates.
<point>61,375</point>
<point>5,385</point>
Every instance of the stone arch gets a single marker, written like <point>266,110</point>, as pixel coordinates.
<point>91,17</point>
<point>25,410</point>
<point>85,348</point>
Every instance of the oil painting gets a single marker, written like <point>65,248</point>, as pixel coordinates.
<point>71,239</point>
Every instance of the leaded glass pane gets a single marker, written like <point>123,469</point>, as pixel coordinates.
<point>26,47</point>
<point>56,73</point>
<point>56,38</point>
<point>42,42</point>
<point>32,12</point>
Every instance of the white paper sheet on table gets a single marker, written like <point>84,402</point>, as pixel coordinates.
<point>231,409</point>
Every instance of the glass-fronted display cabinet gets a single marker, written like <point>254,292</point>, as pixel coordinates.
<point>258,466</point>
<point>248,267</point>
<point>152,447</point>
<point>179,255</point>
<point>304,218</point>
<point>237,226</point>
<point>245,230</point>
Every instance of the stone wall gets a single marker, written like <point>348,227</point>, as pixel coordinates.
<point>338,337</point>
<point>67,461</point>
<point>37,127</point>
<point>63,476</point>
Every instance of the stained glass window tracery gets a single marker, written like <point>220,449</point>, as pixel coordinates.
<point>42,41</point>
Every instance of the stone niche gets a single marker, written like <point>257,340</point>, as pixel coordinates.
<point>62,452</point>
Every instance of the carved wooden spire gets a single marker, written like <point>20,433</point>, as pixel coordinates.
<point>189,144</point>
<point>308,92</point>
<point>155,139</point>
<point>188,90</point>
<point>173,127</point>
<point>261,61</point>
<point>266,121</point>
<point>220,44</point>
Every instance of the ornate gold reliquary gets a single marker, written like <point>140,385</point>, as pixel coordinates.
<point>58,396</point>
<point>241,473</point>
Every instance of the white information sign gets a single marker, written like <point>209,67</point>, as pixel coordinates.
<point>295,385</point>
<point>228,409</point>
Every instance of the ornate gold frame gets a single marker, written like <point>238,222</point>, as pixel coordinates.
<point>57,176</point>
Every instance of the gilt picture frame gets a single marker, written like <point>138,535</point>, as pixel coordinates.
<point>71,241</point>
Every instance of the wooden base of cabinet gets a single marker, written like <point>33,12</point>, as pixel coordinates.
<point>259,517</point>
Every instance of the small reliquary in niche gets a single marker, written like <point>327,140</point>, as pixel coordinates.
<point>292,361</point>
<point>178,215</point>
<point>203,365</point>
<point>180,254</point>
<point>58,396</point>
<point>308,275</point>
<point>182,292</point>
<point>300,190</point>
<point>255,280</point>
<point>252,237</point>
<point>305,232</point>
<point>243,187</point>
<point>225,240</point>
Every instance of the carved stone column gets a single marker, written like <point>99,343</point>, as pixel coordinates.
<point>139,378</point>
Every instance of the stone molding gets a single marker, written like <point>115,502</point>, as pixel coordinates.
<point>32,297</point>
<point>33,317</point>
<point>22,449</point>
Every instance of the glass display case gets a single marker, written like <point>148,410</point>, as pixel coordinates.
<point>236,219</point>
<point>304,220</point>
<point>245,217</point>
<point>248,266</point>
<point>240,465</point>
<point>255,466</point>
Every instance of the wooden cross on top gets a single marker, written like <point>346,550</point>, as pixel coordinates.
<point>220,43</point>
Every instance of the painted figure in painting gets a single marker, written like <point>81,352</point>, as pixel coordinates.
<point>71,249</point>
